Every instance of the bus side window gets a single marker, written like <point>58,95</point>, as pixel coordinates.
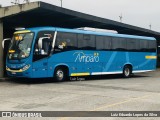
<point>144,45</point>
<point>65,42</point>
<point>46,46</point>
<point>47,39</point>
<point>133,45</point>
<point>152,45</point>
<point>86,42</point>
<point>103,43</point>
<point>99,42</point>
<point>107,43</point>
<point>119,44</point>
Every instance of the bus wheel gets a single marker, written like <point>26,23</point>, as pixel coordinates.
<point>60,74</point>
<point>127,71</point>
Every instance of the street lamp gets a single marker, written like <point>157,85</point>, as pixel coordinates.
<point>121,17</point>
<point>150,26</point>
<point>61,3</point>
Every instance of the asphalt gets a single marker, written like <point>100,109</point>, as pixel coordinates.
<point>141,92</point>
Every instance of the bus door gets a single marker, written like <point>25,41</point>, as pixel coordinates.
<point>42,50</point>
<point>40,67</point>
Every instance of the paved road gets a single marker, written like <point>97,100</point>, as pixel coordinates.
<point>107,93</point>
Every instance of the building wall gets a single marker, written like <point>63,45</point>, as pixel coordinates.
<point>1,50</point>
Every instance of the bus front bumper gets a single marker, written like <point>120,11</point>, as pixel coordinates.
<point>24,72</point>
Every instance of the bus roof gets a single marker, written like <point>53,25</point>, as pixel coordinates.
<point>36,29</point>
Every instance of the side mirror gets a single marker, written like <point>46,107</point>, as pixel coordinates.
<point>40,41</point>
<point>3,42</point>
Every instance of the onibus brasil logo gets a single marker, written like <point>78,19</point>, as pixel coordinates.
<point>82,57</point>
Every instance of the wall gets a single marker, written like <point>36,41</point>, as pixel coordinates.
<point>1,50</point>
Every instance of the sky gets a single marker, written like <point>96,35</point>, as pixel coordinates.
<point>141,13</point>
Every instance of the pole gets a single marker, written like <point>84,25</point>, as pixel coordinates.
<point>1,50</point>
<point>121,17</point>
<point>150,26</point>
<point>61,3</point>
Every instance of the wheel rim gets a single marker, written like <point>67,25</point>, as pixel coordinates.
<point>127,71</point>
<point>59,75</point>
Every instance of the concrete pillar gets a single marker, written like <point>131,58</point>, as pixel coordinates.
<point>1,50</point>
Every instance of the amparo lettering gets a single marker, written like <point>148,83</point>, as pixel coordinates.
<point>81,57</point>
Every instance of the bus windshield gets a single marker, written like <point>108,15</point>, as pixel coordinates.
<point>20,46</point>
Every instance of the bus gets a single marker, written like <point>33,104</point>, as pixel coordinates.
<point>45,52</point>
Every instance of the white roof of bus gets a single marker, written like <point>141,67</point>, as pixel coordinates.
<point>90,32</point>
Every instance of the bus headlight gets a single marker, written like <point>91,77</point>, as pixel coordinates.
<point>25,67</point>
<point>7,68</point>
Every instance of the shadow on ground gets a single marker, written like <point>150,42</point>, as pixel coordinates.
<point>71,79</point>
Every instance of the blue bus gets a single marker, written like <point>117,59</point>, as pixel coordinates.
<point>44,52</point>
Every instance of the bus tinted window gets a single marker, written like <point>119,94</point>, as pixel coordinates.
<point>152,45</point>
<point>103,43</point>
<point>86,42</point>
<point>46,45</point>
<point>119,43</point>
<point>107,43</point>
<point>65,41</point>
<point>133,45</point>
<point>144,45</point>
<point>99,42</point>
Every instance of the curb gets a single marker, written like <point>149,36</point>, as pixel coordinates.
<point>3,79</point>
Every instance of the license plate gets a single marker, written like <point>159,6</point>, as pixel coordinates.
<point>13,73</point>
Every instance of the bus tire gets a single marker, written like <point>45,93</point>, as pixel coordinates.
<point>60,74</point>
<point>127,71</point>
